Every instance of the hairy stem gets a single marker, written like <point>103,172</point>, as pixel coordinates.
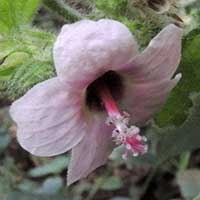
<point>63,9</point>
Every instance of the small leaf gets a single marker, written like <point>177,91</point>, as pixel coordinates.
<point>112,183</point>
<point>56,166</point>
<point>189,182</point>
<point>51,186</point>
<point>27,186</point>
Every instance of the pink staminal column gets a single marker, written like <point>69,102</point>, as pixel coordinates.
<point>123,133</point>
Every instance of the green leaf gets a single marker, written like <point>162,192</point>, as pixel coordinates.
<point>174,141</point>
<point>14,14</point>
<point>26,76</point>
<point>51,186</point>
<point>27,185</point>
<point>112,8</point>
<point>8,176</point>
<point>27,196</point>
<point>189,182</point>
<point>4,139</point>
<point>111,183</point>
<point>197,197</point>
<point>184,160</point>
<point>11,62</point>
<point>4,142</point>
<point>55,166</point>
<point>29,9</point>
<point>176,109</point>
<point>25,61</point>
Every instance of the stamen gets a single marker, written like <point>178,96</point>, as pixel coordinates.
<point>123,133</point>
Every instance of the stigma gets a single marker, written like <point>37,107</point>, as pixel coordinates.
<point>123,133</point>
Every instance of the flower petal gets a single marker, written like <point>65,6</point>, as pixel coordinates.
<point>160,59</point>
<point>144,99</point>
<point>91,152</point>
<point>49,119</point>
<point>92,48</point>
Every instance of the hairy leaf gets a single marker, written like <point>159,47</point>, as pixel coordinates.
<point>25,61</point>
<point>174,141</point>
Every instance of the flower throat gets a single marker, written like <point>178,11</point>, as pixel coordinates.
<point>102,95</point>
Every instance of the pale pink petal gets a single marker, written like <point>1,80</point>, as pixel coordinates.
<point>144,99</point>
<point>92,151</point>
<point>87,49</point>
<point>49,119</point>
<point>160,59</point>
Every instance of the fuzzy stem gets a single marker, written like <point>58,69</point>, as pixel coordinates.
<point>63,9</point>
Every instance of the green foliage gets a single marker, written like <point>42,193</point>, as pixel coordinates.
<point>28,196</point>
<point>113,7</point>
<point>4,139</point>
<point>10,62</point>
<point>25,52</point>
<point>144,22</point>
<point>56,166</point>
<point>14,14</point>
<point>26,60</point>
<point>61,7</point>
<point>184,161</point>
<point>176,109</point>
<point>174,141</point>
<point>110,183</point>
<point>27,186</point>
<point>197,197</point>
<point>8,176</point>
<point>51,186</point>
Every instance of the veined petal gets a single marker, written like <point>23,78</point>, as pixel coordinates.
<point>49,119</point>
<point>160,59</point>
<point>91,152</point>
<point>87,49</point>
<point>144,99</point>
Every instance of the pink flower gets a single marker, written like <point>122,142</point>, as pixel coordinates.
<point>99,71</point>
